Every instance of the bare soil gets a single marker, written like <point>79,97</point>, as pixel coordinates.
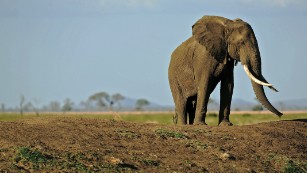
<point>95,145</point>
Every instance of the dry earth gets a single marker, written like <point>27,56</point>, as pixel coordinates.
<point>93,145</point>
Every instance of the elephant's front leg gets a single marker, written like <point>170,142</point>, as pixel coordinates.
<point>203,95</point>
<point>227,85</point>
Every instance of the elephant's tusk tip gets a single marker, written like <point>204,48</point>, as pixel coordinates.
<point>274,89</point>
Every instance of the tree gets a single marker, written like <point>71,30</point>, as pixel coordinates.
<point>36,106</point>
<point>101,98</point>
<point>2,107</point>
<point>27,107</point>
<point>68,105</point>
<point>211,101</point>
<point>282,106</point>
<point>140,103</point>
<point>117,98</point>
<point>212,104</point>
<point>21,104</point>
<point>258,108</point>
<point>86,105</point>
<point>54,106</point>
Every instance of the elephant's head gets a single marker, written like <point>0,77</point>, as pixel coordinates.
<point>235,39</point>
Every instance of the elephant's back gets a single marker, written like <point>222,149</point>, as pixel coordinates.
<point>182,55</point>
<point>181,71</point>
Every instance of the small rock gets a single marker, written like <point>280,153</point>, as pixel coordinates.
<point>227,156</point>
<point>114,161</point>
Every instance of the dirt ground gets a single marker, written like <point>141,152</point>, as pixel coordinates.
<point>93,145</point>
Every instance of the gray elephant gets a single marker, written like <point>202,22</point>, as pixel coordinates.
<point>207,58</point>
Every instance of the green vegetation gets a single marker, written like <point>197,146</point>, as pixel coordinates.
<point>161,118</point>
<point>169,134</point>
<point>287,165</point>
<point>292,167</point>
<point>140,103</point>
<point>241,119</point>
<point>149,162</point>
<point>32,159</point>
<point>10,116</point>
<point>196,145</point>
<point>127,134</point>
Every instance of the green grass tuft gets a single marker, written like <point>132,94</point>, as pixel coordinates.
<point>292,167</point>
<point>170,134</point>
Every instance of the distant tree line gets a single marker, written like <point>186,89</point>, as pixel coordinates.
<point>103,101</point>
<point>100,101</point>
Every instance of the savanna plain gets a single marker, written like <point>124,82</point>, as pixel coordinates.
<point>150,142</point>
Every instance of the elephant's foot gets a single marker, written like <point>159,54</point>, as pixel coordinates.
<point>225,123</point>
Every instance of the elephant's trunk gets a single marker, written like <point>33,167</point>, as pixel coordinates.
<point>254,65</point>
<point>259,92</point>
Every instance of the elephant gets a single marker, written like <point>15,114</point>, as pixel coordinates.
<point>207,58</point>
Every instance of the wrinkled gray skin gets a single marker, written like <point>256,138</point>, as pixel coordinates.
<point>207,58</point>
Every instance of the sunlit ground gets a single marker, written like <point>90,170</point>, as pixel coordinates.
<point>159,117</point>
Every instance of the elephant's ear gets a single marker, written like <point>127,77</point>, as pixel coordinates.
<point>210,32</point>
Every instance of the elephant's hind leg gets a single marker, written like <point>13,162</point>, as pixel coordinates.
<point>180,106</point>
<point>181,112</point>
<point>180,115</point>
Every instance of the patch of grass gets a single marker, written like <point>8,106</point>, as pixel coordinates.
<point>211,114</point>
<point>197,145</point>
<point>284,164</point>
<point>150,162</point>
<point>204,132</point>
<point>149,118</point>
<point>272,156</point>
<point>292,167</point>
<point>33,156</point>
<point>170,134</point>
<point>243,119</point>
<point>123,167</point>
<point>91,162</point>
<point>227,137</point>
<point>161,118</point>
<point>246,115</point>
<point>74,161</point>
<point>10,116</point>
<point>31,159</point>
<point>127,134</point>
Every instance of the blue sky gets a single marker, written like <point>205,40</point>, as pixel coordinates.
<point>56,49</point>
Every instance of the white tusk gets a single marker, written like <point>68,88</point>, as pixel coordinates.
<point>249,74</point>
